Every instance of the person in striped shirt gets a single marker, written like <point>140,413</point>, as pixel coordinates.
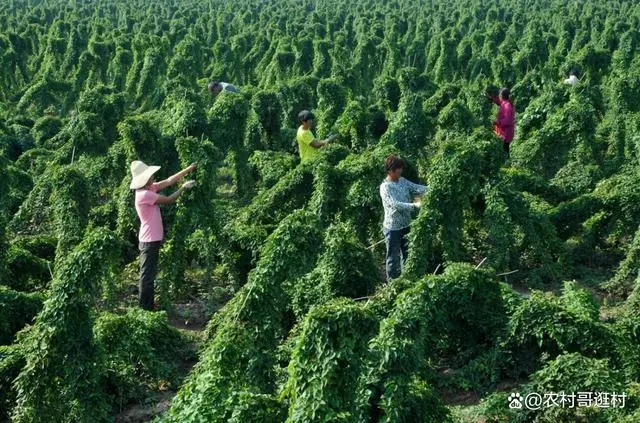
<point>397,199</point>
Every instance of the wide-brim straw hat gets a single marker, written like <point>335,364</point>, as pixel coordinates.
<point>141,173</point>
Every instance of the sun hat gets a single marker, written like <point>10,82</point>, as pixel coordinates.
<point>141,173</point>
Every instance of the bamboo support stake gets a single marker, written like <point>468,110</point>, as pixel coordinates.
<point>361,298</point>
<point>370,247</point>
<point>243,303</point>
<point>480,264</point>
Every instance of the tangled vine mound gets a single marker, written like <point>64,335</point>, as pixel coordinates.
<point>285,257</point>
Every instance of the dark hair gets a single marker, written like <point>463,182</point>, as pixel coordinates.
<point>504,93</point>
<point>305,115</point>
<point>213,85</point>
<point>574,71</point>
<point>492,91</point>
<point>393,162</point>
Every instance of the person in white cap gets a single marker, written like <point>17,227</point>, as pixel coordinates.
<point>151,233</point>
<point>217,87</point>
<point>573,77</point>
<point>572,80</point>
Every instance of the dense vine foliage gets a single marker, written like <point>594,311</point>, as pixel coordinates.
<point>59,380</point>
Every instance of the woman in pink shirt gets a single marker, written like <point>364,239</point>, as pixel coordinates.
<point>505,123</point>
<point>151,231</point>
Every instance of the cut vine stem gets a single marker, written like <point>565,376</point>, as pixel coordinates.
<point>370,247</point>
<point>361,298</point>
<point>508,273</point>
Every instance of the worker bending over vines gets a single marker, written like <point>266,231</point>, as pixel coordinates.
<point>217,87</point>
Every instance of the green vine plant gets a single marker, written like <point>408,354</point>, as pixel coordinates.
<point>195,211</point>
<point>60,380</point>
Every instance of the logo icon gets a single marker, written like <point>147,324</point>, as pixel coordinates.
<point>515,400</point>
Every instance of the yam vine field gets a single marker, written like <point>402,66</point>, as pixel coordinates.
<point>522,274</point>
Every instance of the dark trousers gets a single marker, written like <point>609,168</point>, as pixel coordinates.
<point>397,251</point>
<point>149,253</point>
<point>506,145</point>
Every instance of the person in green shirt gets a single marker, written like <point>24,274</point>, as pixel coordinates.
<point>308,145</point>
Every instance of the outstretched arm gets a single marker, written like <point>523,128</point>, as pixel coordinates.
<point>416,189</point>
<point>392,203</point>
<point>323,143</point>
<point>494,99</point>
<point>171,199</point>
<point>172,180</point>
<point>318,143</point>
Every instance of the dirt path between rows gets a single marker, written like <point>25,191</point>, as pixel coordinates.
<point>186,317</point>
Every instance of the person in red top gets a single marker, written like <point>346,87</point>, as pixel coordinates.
<point>151,233</point>
<point>505,124</point>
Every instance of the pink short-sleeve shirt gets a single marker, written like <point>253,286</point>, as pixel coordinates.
<point>151,229</point>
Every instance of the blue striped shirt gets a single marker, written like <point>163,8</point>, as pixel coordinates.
<point>397,199</point>
<point>229,87</point>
